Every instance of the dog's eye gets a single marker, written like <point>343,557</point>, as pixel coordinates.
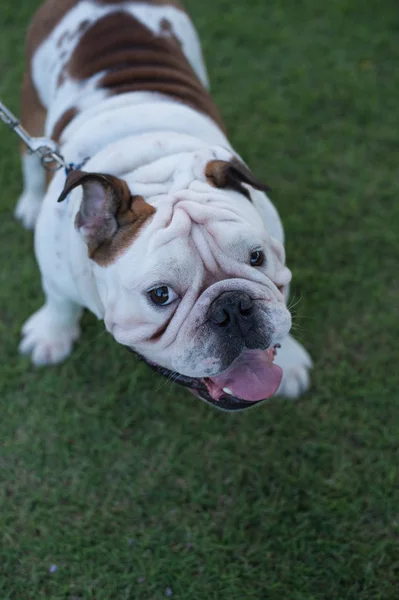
<point>162,296</point>
<point>257,258</point>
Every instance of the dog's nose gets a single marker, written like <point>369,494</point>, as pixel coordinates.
<point>232,312</point>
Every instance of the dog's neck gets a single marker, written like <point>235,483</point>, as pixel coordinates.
<point>136,114</point>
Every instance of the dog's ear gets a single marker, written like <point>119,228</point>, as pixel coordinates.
<point>109,216</point>
<point>233,174</point>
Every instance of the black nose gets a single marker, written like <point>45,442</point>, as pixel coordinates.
<point>232,312</point>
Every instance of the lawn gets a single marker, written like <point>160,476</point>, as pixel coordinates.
<point>115,485</point>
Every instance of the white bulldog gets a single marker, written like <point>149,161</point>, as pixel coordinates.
<point>164,233</point>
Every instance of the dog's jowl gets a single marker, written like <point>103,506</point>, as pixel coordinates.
<point>164,233</point>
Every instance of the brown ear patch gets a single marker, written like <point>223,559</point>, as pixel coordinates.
<point>109,217</point>
<point>232,175</point>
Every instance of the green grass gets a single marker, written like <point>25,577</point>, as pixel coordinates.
<point>130,485</point>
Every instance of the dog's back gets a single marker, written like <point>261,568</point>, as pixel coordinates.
<point>80,52</point>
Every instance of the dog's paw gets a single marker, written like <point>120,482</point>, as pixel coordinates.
<point>296,364</point>
<point>27,209</point>
<point>47,341</point>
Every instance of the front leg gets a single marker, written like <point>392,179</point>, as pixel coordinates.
<point>296,364</point>
<point>49,334</point>
<point>29,203</point>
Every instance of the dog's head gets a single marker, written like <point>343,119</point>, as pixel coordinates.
<point>190,280</point>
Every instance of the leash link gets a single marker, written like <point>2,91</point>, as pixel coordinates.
<point>45,148</point>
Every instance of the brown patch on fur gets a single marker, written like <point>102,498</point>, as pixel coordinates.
<point>62,123</point>
<point>83,26</point>
<point>166,26</point>
<point>110,216</point>
<point>136,59</point>
<point>49,177</point>
<point>61,78</point>
<point>62,39</point>
<point>33,113</point>
<point>168,31</point>
<point>233,174</point>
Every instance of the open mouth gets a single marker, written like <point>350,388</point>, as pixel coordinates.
<point>251,379</point>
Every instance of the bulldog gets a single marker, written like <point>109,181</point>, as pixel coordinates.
<point>162,231</point>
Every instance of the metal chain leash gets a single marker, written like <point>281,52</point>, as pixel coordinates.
<point>45,148</point>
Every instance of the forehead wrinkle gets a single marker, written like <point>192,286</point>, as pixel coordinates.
<point>240,241</point>
<point>231,260</point>
<point>198,236</point>
<point>210,242</point>
<point>178,227</point>
<point>202,209</point>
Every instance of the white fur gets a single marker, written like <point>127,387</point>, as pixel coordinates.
<point>49,334</point>
<point>296,364</point>
<point>88,133</point>
<point>160,147</point>
<point>29,203</point>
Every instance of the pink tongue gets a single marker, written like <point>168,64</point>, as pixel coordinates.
<point>253,376</point>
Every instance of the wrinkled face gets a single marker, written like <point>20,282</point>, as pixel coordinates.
<point>199,295</point>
